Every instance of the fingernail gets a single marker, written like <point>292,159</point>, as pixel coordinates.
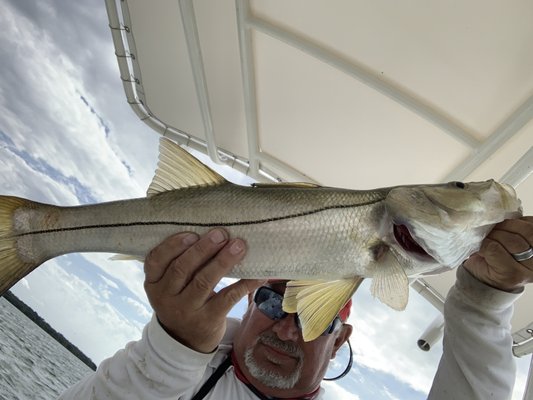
<point>190,239</point>
<point>236,247</point>
<point>217,236</point>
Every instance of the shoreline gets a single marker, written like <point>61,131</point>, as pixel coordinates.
<point>45,326</point>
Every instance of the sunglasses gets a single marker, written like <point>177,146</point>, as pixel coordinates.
<point>269,302</point>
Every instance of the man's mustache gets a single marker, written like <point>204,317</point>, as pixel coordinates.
<point>291,348</point>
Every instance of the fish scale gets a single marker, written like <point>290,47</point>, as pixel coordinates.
<point>298,240</point>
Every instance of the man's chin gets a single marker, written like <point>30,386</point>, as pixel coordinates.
<point>272,369</point>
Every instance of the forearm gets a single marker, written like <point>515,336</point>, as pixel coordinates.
<point>477,362</point>
<point>156,367</point>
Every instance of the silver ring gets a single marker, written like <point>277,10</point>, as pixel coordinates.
<point>524,255</point>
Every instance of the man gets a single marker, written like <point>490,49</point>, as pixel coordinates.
<point>187,348</point>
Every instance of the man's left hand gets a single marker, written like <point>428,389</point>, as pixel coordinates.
<point>494,264</point>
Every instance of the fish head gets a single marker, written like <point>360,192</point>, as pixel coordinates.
<point>436,227</point>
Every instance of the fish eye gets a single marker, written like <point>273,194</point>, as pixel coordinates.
<point>459,185</point>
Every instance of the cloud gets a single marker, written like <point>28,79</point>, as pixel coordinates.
<point>53,115</point>
<point>140,308</point>
<point>85,318</point>
<point>385,340</point>
<point>128,273</point>
<point>20,179</point>
<point>79,33</point>
<point>109,282</point>
<point>336,392</point>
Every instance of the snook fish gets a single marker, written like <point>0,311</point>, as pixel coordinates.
<point>325,240</point>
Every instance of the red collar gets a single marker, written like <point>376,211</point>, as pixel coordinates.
<point>239,374</point>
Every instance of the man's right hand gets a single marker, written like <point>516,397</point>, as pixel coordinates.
<point>181,275</point>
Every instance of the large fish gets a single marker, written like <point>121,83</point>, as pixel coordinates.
<point>325,240</point>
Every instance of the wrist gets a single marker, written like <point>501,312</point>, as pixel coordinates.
<point>204,349</point>
<point>503,286</point>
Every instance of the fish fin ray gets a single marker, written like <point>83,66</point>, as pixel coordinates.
<point>12,268</point>
<point>178,169</point>
<point>318,302</point>
<point>127,257</point>
<point>390,284</point>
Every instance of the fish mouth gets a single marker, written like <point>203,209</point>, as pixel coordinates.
<point>406,241</point>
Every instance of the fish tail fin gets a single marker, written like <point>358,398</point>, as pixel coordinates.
<point>12,267</point>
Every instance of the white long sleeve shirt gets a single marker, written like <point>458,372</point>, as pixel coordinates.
<point>477,363</point>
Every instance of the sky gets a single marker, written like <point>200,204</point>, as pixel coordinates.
<point>68,137</point>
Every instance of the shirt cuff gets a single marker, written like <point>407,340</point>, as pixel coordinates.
<point>173,351</point>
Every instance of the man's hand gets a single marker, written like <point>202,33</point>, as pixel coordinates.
<point>494,263</point>
<point>181,275</point>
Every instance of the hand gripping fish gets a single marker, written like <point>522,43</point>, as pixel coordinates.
<point>325,240</point>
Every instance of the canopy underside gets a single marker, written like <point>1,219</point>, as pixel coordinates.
<point>352,94</point>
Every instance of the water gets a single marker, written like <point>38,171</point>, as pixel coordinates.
<point>32,364</point>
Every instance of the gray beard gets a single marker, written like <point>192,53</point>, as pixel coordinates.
<point>268,377</point>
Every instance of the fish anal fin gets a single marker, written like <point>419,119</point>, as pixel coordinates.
<point>126,257</point>
<point>390,283</point>
<point>178,169</point>
<point>318,302</point>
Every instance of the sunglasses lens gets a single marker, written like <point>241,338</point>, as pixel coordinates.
<point>270,303</point>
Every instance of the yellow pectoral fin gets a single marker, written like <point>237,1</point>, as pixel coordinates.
<point>390,284</point>
<point>318,302</point>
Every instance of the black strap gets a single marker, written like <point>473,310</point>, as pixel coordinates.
<point>213,379</point>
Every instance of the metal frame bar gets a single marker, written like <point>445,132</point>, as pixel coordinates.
<point>248,80</point>
<point>510,127</point>
<point>519,172</point>
<point>427,292</point>
<point>528,394</point>
<point>188,19</point>
<point>125,50</point>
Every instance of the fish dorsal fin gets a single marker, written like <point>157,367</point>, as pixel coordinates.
<point>318,302</point>
<point>298,185</point>
<point>178,169</point>
<point>390,283</point>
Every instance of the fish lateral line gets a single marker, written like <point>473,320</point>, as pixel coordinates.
<point>197,224</point>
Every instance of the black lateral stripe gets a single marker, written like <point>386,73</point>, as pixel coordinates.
<point>199,224</point>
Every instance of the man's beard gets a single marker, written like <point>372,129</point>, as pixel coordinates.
<point>268,377</point>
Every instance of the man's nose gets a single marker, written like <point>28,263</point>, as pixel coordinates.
<point>286,328</point>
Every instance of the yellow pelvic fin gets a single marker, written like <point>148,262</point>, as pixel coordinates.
<point>126,257</point>
<point>12,268</point>
<point>318,302</point>
<point>390,283</point>
<point>178,169</point>
<point>298,185</point>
